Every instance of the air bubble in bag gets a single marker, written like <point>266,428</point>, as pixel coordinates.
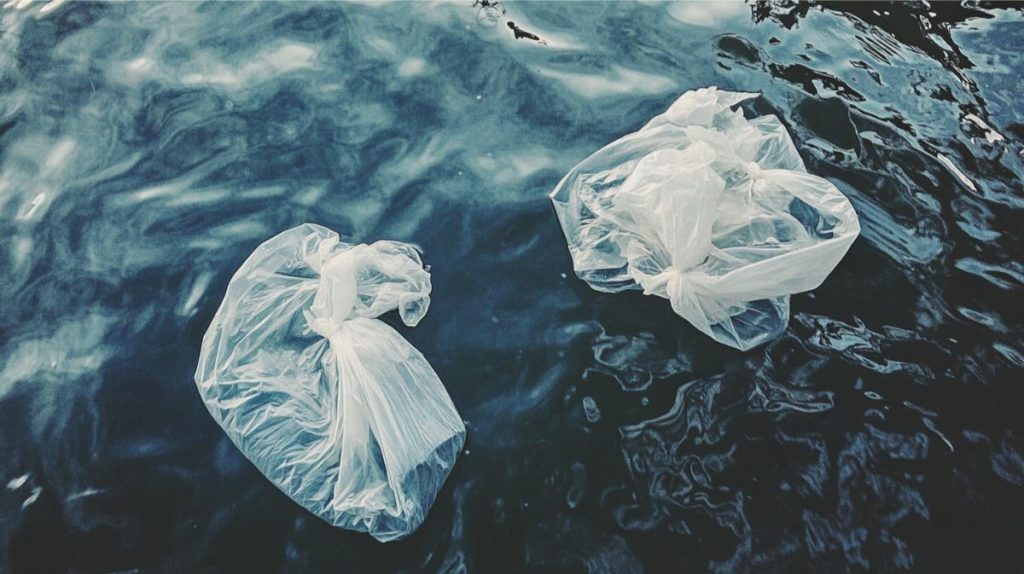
<point>337,409</point>
<point>710,210</point>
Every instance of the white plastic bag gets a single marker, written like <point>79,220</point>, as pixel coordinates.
<point>332,405</point>
<point>710,210</point>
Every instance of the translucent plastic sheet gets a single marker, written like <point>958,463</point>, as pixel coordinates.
<point>331,404</point>
<point>710,210</point>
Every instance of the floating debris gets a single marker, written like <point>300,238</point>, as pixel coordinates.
<point>489,13</point>
<point>520,33</point>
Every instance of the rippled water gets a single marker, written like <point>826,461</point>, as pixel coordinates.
<point>146,149</point>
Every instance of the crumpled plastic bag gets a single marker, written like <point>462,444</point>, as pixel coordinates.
<point>332,405</point>
<point>710,210</point>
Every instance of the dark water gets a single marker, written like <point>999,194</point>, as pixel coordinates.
<point>146,149</point>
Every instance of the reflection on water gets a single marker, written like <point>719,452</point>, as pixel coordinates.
<point>146,149</point>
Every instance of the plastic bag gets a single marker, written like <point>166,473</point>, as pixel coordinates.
<point>710,210</point>
<point>332,405</point>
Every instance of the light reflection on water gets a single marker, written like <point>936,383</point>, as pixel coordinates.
<point>146,149</point>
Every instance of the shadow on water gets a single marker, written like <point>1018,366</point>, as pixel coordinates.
<point>146,149</point>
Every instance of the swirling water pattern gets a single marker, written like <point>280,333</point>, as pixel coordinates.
<point>146,149</point>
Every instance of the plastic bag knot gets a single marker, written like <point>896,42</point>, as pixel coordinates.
<point>673,279</point>
<point>753,170</point>
<point>323,326</point>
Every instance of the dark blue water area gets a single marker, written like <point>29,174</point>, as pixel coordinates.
<point>147,148</point>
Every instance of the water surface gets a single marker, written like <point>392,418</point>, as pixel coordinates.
<point>147,148</point>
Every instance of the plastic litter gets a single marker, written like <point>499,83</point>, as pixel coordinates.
<point>710,210</point>
<point>332,405</point>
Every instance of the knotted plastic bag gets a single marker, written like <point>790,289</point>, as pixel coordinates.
<point>710,210</point>
<point>331,404</point>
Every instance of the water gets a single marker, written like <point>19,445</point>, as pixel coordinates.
<point>146,149</point>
